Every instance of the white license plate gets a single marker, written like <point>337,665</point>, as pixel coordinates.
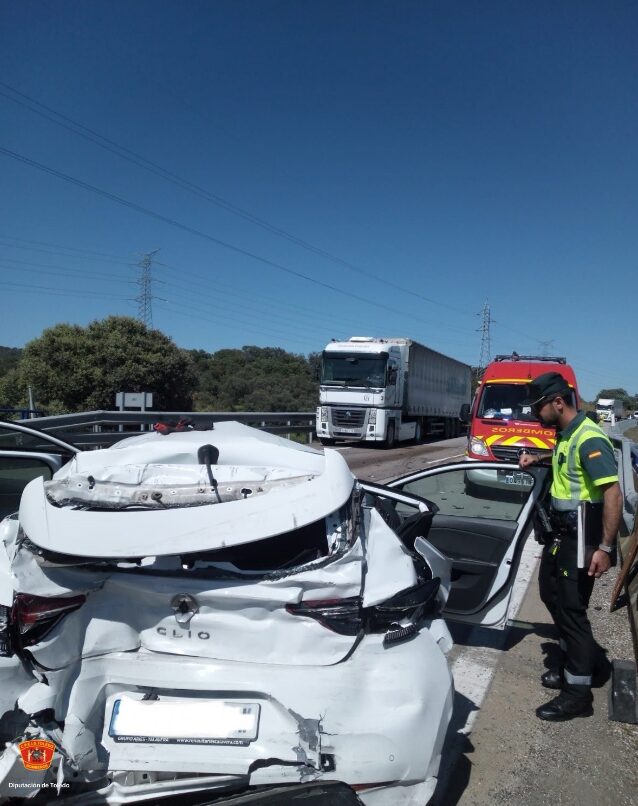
<point>180,721</point>
<point>348,430</point>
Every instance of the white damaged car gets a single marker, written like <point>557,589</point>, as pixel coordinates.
<point>225,611</point>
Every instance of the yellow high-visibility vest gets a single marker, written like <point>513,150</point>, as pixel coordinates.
<point>570,483</point>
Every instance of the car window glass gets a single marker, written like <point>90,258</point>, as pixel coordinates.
<point>15,440</point>
<point>15,473</point>
<point>475,493</point>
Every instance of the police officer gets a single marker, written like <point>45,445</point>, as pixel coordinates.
<point>583,470</point>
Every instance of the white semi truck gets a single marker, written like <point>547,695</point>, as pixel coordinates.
<point>609,409</point>
<point>389,390</point>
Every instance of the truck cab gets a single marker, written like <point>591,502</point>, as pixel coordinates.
<point>387,390</point>
<point>500,424</point>
<point>609,409</point>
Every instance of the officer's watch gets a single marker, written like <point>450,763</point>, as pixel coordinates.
<point>606,549</point>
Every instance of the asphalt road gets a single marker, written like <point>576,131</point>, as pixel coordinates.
<point>379,465</point>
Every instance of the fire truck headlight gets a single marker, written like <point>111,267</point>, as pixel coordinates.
<point>478,447</point>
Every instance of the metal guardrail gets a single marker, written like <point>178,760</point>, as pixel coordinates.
<point>627,484</point>
<point>94,429</point>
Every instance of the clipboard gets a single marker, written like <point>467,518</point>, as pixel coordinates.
<point>589,531</point>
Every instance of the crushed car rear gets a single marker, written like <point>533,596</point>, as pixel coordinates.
<point>222,607</point>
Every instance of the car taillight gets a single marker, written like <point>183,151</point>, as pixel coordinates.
<point>348,616</point>
<point>33,616</point>
<point>343,616</point>
<point>419,599</point>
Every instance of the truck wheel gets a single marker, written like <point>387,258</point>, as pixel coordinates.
<point>325,441</point>
<point>389,436</point>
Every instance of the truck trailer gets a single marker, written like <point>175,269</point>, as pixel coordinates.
<point>387,390</point>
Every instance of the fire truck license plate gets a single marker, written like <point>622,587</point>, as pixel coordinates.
<point>519,479</point>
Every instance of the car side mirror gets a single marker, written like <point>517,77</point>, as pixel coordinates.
<point>392,376</point>
<point>464,414</point>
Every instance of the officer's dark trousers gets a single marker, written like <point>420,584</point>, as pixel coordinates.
<point>565,590</point>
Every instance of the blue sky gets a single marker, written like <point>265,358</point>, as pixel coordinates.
<point>344,167</point>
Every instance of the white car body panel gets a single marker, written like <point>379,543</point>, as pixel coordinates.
<point>240,622</point>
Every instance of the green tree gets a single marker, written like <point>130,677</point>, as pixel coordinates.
<point>9,357</point>
<point>254,379</point>
<point>72,368</point>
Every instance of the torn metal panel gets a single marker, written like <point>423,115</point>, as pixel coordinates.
<point>164,486</point>
<point>390,568</point>
<point>8,531</point>
<point>135,533</point>
<point>38,697</point>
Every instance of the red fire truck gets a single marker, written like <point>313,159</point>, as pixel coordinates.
<point>500,425</point>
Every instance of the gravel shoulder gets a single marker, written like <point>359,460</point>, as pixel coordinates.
<point>512,757</point>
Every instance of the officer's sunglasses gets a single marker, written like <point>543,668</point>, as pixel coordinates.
<point>538,405</point>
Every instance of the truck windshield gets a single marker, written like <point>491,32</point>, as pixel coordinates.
<point>353,370</point>
<point>504,401</point>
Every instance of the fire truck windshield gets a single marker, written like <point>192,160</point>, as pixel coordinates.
<point>504,401</point>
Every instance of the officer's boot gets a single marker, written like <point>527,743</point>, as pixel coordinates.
<point>566,706</point>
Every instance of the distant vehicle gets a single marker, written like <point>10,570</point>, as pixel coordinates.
<point>500,425</point>
<point>635,415</point>
<point>608,407</point>
<point>389,390</point>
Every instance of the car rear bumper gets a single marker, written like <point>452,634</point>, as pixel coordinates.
<point>348,722</point>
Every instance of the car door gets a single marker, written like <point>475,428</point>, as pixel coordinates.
<point>483,517</point>
<point>25,454</point>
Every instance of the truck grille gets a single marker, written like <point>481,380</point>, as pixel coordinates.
<point>348,418</point>
<point>511,454</point>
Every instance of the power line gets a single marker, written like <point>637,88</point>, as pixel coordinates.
<point>57,291</point>
<point>84,252</point>
<point>45,268</point>
<point>193,231</point>
<point>142,162</point>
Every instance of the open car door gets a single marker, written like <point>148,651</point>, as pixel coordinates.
<point>483,517</point>
<point>25,454</point>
